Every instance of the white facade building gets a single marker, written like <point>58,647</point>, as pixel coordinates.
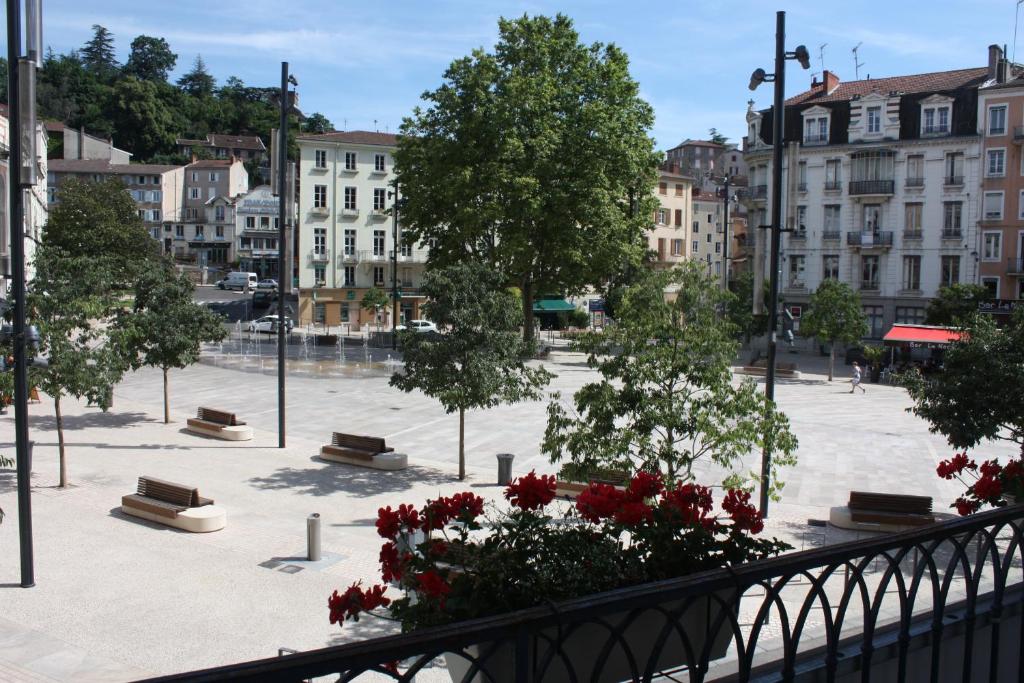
<point>35,204</point>
<point>257,219</point>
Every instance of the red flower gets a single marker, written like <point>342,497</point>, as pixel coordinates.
<point>632,513</point>
<point>387,523</point>
<point>531,492</point>
<point>965,507</point>
<point>645,485</point>
<point>466,506</point>
<point>745,516</point>
<point>433,585</point>
<point>988,488</point>
<point>391,565</point>
<point>391,667</point>
<point>408,517</point>
<point>599,501</point>
<point>990,468</point>
<point>354,600</point>
<point>436,514</point>
<point>438,547</point>
<point>691,501</point>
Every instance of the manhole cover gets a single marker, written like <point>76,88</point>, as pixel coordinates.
<point>270,564</point>
<point>290,569</point>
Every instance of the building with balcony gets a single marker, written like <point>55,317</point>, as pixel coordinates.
<point>877,189</point>
<point>669,237</point>
<point>204,233</point>
<point>346,241</point>
<point>256,229</point>
<point>707,230</point>
<point>35,204</point>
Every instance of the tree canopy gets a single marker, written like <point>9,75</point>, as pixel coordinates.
<point>151,59</point>
<point>535,158</point>
<point>955,304</point>
<point>98,53</point>
<point>835,315</point>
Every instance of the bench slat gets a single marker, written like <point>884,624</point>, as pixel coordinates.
<point>219,416</point>
<point>168,492</point>
<point>891,503</point>
<point>370,444</point>
<point>349,453</point>
<point>157,507</point>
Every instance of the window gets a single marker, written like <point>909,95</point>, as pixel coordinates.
<point>935,120</point>
<point>350,276</point>
<point>1020,206</point>
<point>954,168</point>
<point>662,188</point>
<point>912,213</point>
<point>801,221</point>
<point>350,161</point>
<point>264,222</point>
<point>952,214</point>
<point>831,222</point>
<point>179,230</point>
<point>696,247</point>
<point>993,206</point>
<point>350,199</point>
<point>350,243</point>
<point>833,174</point>
<point>876,320</point>
<point>718,247</point>
<point>378,242</point>
<point>992,285</point>
<point>141,180</point>
<point>320,196</point>
<point>321,158</point>
<point>874,119</point>
<point>679,190</point>
<point>193,193</point>
<point>250,222</point>
<point>154,214</point>
<point>378,276</point>
<point>219,231</point>
<point>218,213</point>
<point>320,275</point>
<point>141,214</point>
<point>200,231</point>
<point>344,313</point>
<point>51,194</point>
<point>912,273</point>
<point>992,246</point>
<point>950,273</point>
<point>320,240</point>
<point>910,315</point>
<point>696,227</point>
<point>379,197</point>
<point>662,217</point>
<point>915,170</point>
<point>816,130</point>
<point>211,192</point>
<point>677,247</point>
<point>796,271</point>
<point>214,177</point>
<point>378,163</point>
<point>830,267</point>
<point>997,120</point>
<point>869,272</point>
<point>195,176</point>
<point>872,166</point>
<point>709,238</point>
<point>995,163</point>
<point>802,175</point>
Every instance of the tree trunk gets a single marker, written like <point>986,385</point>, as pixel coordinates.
<point>462,444</point>
<point>527,292</point>
<point>831,359</point>
<point>60,443</point>
<point>167,410</point>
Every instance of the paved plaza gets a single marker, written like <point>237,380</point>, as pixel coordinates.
<point>120,598</point>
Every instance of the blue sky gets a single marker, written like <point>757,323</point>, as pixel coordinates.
<point>364,63</point>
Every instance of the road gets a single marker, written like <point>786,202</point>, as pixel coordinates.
<point>232,304</point>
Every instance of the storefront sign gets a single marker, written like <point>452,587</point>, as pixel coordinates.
<point>998,306</point>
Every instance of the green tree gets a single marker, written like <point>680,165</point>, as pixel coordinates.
<point>98,53</point>
<point>740,309</point>
<point>535,159</point>
<point>835,316</point>
<point>477,361</point>
<point>198,82</point>
<point>665,401</point>
<point>717,137</point>
<point>167,328</point>
<point>141,117</point>
<point>375,300</point>
<point>979,392</point>
<point>318,123</point>
<point>150,59</point>
<point>955,304</point>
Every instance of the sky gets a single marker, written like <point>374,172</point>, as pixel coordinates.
<point>365,63</point>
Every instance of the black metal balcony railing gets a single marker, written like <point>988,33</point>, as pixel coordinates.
<point>910,234</point>
<point>952,233</point>
<point>915,182</point>
<point>869,286</point>
<point>942,602</point>
<point>759,191</point>
<point>935,130</point>
<point>833,235</point>
<point>882,238</point>
<point>1015,266</point>
<point>953,180</point>
<point>798,235</point>
<point>872,186</point>
<point>815,139</point>
<point>833,185</point>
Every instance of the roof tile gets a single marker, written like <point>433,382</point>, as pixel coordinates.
<point>918,83</point>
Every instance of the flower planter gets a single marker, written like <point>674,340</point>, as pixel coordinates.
<point>584,646</point>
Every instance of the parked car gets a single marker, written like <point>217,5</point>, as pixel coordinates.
<point>239,281</point>
<point>418,326</point>
<point>266,284</point>
<point>262,298</point>
<point>268,323</point>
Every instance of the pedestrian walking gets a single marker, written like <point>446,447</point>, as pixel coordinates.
<point>855,380</point>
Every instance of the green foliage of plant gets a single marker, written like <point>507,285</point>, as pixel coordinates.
<point>740,309</point>
<point>955,304</point>
<point>535,158</point>
<point>98,53</point>
<point>666,401</point>
<point>477,360</point>
<point>979,392</point>
<point>150,59</point>
<point>835,315</point>
<point>317,123</point>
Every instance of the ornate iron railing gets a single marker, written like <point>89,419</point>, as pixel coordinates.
<point>939,603</point>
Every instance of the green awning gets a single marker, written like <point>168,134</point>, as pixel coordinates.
<point>552,306</point>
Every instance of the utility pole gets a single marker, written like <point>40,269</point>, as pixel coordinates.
<point>282,270</point>
<point>725,242</point>
<point>394,267</point>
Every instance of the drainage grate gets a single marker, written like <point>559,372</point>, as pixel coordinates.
<point>290,569</point>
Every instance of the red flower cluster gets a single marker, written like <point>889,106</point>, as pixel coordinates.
<point>531,492</point>
<point>745,516</point>
<point>391,563</point>
<point>947,469</point>
<point>599,501</point>
<point>645,485</point>
<point>433,585</point>
<point>349,604</point>
<point>991,481</point>
<point>692,502</point>
<point>391,522</point>
<point>436,514</point>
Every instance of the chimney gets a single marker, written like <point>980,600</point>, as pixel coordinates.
<point>830,81</point>
<point>995,55</point>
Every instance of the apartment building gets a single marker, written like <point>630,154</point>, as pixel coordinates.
<point>256,227</point>
<point>879,189</point>
<point>217,146</point>
<point>345,230</point>
<point>205,231</point>
<point>669,236</point>
<point>1001,222</point>
<point>708,230</point>
<point>35,204</point>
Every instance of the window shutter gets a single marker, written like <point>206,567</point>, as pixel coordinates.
<point>679,217</point>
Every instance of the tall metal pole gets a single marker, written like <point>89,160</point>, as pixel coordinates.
<point>776,227</point>
<point>725,247</point>
<point>282,191</point>
<point>394,270</point>
<point>17,218</point>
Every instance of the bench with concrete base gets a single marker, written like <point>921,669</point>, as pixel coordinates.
<point>882,512</point>
<point>174,505</point>
<point>364,451</point>
<point>219,424</point>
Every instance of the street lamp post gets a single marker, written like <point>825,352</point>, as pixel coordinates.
<point>282,204</point>
<point>778,112</point>
<point>393,194</point>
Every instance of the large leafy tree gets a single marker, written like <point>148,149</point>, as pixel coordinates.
<point>477,360</point>
<point>98,53</point>
<point>141,117</point>
<point>534,158</point>
<point>835,316</point>
<point>167,328</point>
<point>955,304</point>
<point>979,392</point>
<point>666,401</point>
<point>317,123</point>
<point>150,59</point>
<point>740,308</point>
<point>198,82</point>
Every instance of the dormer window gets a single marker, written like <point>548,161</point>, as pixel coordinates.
<point>816,123</point>
<point>874,119</point>
<point>936,112</point>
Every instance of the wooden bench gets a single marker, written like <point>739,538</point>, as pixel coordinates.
<point>174,505</point>
<point>883,512</point>
<point>365,451</point>
<point>219,424</point>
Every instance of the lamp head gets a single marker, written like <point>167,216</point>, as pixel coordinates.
<point>803,56</point>
<point>293,81</point>
<point>757,78</point>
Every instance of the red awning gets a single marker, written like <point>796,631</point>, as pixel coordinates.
<point>921,334</point>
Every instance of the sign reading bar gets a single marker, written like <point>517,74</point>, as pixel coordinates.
<point>998,306</point>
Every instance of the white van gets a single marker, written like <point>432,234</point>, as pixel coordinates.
<point>239,281</point>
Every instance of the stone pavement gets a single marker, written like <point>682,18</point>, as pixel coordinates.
<point>118,598</point>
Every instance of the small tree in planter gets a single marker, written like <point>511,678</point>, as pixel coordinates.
<point>374,300</point>
<point>666,399</point>
<point>477,361</point>
<point>835,316</point>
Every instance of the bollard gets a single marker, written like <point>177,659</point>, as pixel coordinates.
<point>505,468</point>
<point>313,537</point>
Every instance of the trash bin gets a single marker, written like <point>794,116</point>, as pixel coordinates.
<point>313,537</point>
<point>505,468</point>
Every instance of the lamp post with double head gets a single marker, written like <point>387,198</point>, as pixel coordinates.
<point>779,79</point>
<point>283,203</point>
